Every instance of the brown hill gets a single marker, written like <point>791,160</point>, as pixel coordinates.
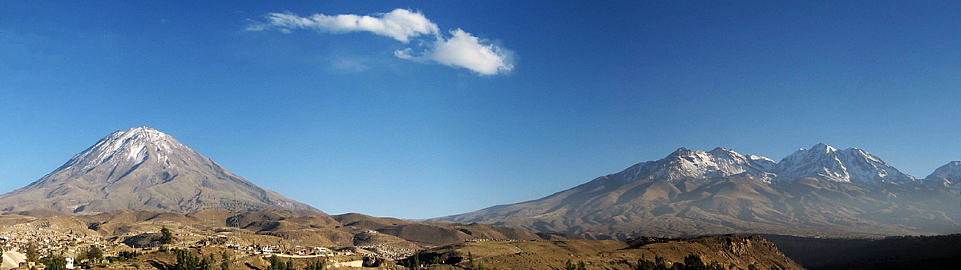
<point>433,233</point>
<point>386,237</point>
<point>730,250</point>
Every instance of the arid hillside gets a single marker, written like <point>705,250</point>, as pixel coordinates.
<point>726,251</point>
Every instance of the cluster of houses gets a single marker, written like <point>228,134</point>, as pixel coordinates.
<point>16,239</point>
<point>46,240</point>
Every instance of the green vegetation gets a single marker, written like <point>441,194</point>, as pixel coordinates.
<point>659,263</point>
<point>92,253</point>
<point>694,262</point>
<point>224,261</point>
<point>166,237</point>
<point>32,253</point>
<point>207,263</point>
<point>52,262</point>
<point>123,256</point>
<point>691,262</point>
<point>579,266</point>
<point>187,260</point>
<point>276,263</point>
<point>316,265</point>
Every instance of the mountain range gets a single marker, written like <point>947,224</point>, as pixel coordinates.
<point>820,191</point>
<point>143,169</point>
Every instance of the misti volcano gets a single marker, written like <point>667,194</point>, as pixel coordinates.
<point>143,169</point>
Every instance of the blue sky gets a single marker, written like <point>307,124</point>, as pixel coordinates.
<point>345,120</point>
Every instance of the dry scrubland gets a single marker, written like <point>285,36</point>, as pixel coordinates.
<point>353,239</point>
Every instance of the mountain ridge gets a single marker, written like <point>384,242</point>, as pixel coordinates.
<point>820,191</point>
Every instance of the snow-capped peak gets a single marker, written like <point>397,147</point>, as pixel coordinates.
<point>132,145</point>
<point>821,161</point>
<point>849,165</point>
<point>823,148</point>
<point>684,163</point>
<point>950,172</point>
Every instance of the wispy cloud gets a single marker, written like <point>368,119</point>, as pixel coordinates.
<point>460,49</point>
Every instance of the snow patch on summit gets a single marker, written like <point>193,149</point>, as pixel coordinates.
<point>685,163</point>
<point>851,165</point>
<point>821,161</point>
<point>133,145</point>
<point>950,173</point>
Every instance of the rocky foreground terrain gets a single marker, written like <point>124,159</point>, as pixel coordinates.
<point>352,240</point>
<point>728,252</point>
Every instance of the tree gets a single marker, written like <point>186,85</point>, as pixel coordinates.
<point>714,265</point>
<point>694,262</point>
<point>123,256</point>
<point>207,263</point>
<point>644,264</point>
<point>93,253</point>
<point>52,262</point>
<point>470,260</point>
<point>571,266</point>
<point>224,261</point>
<point>32,253</point>
<point>290,264</point>
<point>166,237</point>
<point>276,263</point>
<point>316,265</point>
<point>752,267</point>
<point>186,260</point>
<point>660,263</point>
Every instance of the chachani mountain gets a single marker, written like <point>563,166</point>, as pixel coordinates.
<point>820,191</point>
<point>144,169</point>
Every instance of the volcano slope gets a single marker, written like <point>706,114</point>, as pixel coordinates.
<point>144,169</point>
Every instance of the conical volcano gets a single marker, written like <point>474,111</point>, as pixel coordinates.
<point>144,169</point>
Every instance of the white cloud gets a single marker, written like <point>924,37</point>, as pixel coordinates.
<point>466,51</point>
<point>461,49</point>
<point>400,24</point>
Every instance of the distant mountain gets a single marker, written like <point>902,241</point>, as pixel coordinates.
<point>685,164</point>
<point>852,164</point>
<point>143,169</point>
<point>819,191</point>
<point>949,173</point>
